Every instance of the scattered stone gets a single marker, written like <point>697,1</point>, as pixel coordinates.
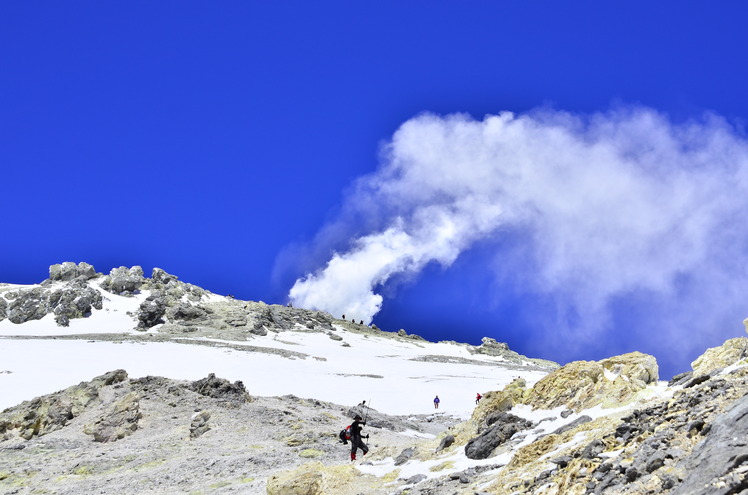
<point>220,388</point>
<point>446,442</point>
<point>405,456</point>
<point>199,423</point>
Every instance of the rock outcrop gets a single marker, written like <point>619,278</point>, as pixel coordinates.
<point>583,384</point>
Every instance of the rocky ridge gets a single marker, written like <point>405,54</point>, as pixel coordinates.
<point>175,309</point>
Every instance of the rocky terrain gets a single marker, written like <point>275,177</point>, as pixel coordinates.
<point>605,427</point>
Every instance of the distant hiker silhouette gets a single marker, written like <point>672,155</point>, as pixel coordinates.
<point>436,402</point>
<point>356,442</point>
<point>478,397</point>
<point>344,317</point>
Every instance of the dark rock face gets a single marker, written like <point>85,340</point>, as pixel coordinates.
<point>75,301</point>
<point>220,388</point>
<point>151,311</point>
<point>66,294</point>
<point>719,464</point>
<point>502,427</point>
<point>694,443</point>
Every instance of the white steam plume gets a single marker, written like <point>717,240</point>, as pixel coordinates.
<point>611,203</point>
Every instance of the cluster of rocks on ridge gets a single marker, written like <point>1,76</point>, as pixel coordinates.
<point>179,309</point>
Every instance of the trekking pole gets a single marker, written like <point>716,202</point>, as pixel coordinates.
<point>366,415</point>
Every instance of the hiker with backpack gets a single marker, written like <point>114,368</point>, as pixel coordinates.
<point>356,442</point>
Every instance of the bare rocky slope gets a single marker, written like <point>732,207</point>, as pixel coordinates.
<point>585,428</point>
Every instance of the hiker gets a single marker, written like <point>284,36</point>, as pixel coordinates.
<point>356,442</point>
<point>436,402</point>
<point>344,317</point>
<point>478,397</point>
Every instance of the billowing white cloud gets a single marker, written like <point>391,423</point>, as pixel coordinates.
<point>610,203</point>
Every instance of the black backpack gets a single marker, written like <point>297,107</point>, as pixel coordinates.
<point>345,434</point>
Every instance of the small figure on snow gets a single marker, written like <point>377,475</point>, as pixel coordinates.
<point>436,402</point>
<point>478,397</point>
<point>356,442</point>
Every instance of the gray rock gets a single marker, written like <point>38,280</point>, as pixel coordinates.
<point>3,308</point>
<point>414,480</point>
<point>504,427</point>
<point>185,311</point>
<point>27,305</point>
<point>220,388</point>
<point>579,421</point>
<point>151,311</point>
<point>593,449</point>
<point>199,424</point>
<point>719,462</point>
<point>680,379</point>
<point>70,271</point>
<point>119,421</point>
<point>123,280</point>
<point>76,300</point>
<point>446,442</point>
<point>160,276</point>
<point>405,456</point>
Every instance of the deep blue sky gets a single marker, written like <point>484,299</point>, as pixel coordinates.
<point>210,139</point>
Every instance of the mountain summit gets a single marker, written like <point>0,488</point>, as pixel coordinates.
<point>180,390</point>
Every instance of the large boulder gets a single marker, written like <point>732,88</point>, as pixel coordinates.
<point>27,305</point>
<point>123,280</point>
<point>734,351</point>
<point>580,385</point>
<point>151,311</point>
<point>502,427</point>
<point>160,276</point>
<point>220,388</point>
<point>70,271</point>
<point>76,300</point>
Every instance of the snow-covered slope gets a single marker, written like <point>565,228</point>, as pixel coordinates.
<point>400,375</point>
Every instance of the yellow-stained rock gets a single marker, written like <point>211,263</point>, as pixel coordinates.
<point>579,385</point>
<point>733,351</point>
<point>500,401</point>
<point>314,478</point>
